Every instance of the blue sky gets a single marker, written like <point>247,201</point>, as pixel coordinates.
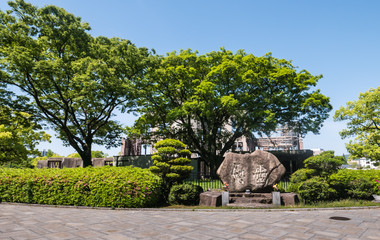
<point>339,39</point>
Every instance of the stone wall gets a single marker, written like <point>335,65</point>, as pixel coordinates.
<point>72,162</point>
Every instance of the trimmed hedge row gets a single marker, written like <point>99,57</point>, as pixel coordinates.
<point>125,187</point>
<point>345,183</point>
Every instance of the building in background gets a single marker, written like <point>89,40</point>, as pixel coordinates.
<point>281,140</point>
<point>134,147</point>
<point>130,147</point>
<point>44,153</point>
<point>317,151</point>
<point>363,163</point>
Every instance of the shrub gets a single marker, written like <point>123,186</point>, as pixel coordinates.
<point>376,189</point>
<point>97,187</point>
<point>342,181</point>
<point>321,166</point>
<point>316,189</point>
<point>361,188</point>
<point>302,175</point>
<point>325,163</point>
<point>299,176</point>
<point>185,194</point>
<point>294,187</point>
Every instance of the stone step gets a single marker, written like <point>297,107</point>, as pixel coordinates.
<point>251,205</point>
<point>251,195</point>
<point>263,200</point>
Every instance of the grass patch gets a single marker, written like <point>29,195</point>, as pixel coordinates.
<point>199,207</point>
<point>334,204</point>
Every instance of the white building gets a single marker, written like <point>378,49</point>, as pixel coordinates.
<point>317,151</point>
<point>364,163</point>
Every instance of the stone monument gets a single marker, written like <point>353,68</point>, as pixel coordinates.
<point>256,172</point>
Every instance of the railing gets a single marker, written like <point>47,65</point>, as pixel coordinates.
<point>208,182</point>
<point>205,181</point>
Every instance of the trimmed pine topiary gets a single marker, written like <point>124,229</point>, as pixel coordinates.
<point>171,163</point>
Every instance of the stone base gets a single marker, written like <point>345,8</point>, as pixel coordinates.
<point>214,199</point>
<point>211,199</point>
<point>289,199</point>
<point>244,198</point>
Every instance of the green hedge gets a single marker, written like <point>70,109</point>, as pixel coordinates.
<point>349,183</point>
<point>98,187</point>
<point>344,184</point>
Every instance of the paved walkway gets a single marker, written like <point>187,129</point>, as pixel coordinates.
<point>36,222</point>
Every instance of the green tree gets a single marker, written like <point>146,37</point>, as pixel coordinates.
<point>363,118</point>
<point>50,153</point>
<point>194,98</point>
<point>94,154</point>
<point>75,80</point>
<point>171,163</point>
<point>18,137</point>
<point>20,132</point>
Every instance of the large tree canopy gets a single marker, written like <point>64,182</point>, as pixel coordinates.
<point>363,118</point>
<point>20,132</point>
<point>75,80</point>
<point>194,98</point>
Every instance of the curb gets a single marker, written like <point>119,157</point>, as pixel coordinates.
<point>193,210</point>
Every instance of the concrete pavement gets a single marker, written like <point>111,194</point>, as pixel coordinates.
<point>19,221</point>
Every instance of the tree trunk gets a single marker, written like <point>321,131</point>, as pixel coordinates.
<point>214,162</point>
<point>86,157</point>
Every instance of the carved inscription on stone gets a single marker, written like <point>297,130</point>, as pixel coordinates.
<point>257,171</point>
<point>260,175</point>
<point>238,173</point>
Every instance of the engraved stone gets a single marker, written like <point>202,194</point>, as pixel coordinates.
<point>257,171</point>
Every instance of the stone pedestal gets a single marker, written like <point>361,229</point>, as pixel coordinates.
<point>211,199</point>
<point>289,199</point>
<point>225,198</point>
<point>276,198</point>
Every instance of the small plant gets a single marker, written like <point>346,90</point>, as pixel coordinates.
<point>284,186</point>
<point>185,194</point>
<point>225,187</point>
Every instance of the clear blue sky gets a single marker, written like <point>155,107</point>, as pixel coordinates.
<point>339,39</point>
